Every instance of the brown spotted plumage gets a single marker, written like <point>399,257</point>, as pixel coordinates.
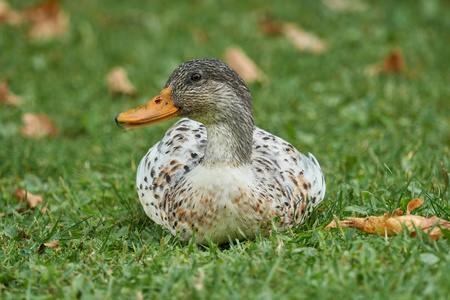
<point>215,172</point>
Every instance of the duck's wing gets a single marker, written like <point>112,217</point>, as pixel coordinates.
<point>295,181</point>
<point>166,164</point>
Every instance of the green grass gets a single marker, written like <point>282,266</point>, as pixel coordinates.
<point>380,141</point>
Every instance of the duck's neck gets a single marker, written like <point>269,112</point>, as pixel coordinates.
<point>229,143</point>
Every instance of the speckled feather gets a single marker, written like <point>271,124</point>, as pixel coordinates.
<point>214,174</point>
<point>224,202</point>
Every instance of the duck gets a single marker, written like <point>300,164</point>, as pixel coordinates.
<point>215,176</point>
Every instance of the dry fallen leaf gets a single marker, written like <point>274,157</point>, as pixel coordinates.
<point>4,11</point>
<point>32,200</point>
<point>7,97</point>
<point>24,235</point>
<point>393,63</point>
<point>397,223</point>
<point>269,27</point>
<point>243,65</point>
<point>9,15</point>
<point>38,126</point>
<point>119,83</point>
<point>302,40</point>
<point>54,244</point>
<point>48,20</point>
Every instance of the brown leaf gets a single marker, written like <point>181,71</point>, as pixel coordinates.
<point>19,211</point>
<point>333,224</point>
<point>4,11</point>
<point>119,83</point>
<point>397,212</point>
<point>7,97</point>
<point>32,200</point>
<point>269,27</point>
<point>54,244</point>
<point>413,204</point>
<point>7,15</point>
<point>396,224</point>
<point>393,63</point>
<point>243,65</point>
<point>24,235</point>
<point>302,40</point>
<point>38,126</point>
<point>48,20</point>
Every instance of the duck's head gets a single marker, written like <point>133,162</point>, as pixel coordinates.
<point>205,90</point>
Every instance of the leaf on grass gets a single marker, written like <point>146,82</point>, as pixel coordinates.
<point>38,126</point>
<point>344,5</point>
<point>48,20</point>
<point>413,204</point>
<point>32,200</point>
<point>243,65</point>
<point>119,83</point>
<point>301,39</point>
<point>397,223</point>
<point>7,97</point>
<point>8,15</point>
<point>393,63</point>
<point>54,244</point>
<point>24,235</point>
<point>269,27</point>
<point>4,11</point>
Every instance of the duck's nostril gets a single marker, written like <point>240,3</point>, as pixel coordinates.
<point>158,101</point>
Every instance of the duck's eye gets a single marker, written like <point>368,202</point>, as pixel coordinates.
<point>196,77</point>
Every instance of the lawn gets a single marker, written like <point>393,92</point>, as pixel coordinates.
<point>380,139</point>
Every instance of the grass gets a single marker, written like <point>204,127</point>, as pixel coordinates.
<point>380,141</point>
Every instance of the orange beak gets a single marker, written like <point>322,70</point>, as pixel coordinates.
<point>157,110</point>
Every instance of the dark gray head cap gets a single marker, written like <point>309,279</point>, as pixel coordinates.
<point>210,69</point>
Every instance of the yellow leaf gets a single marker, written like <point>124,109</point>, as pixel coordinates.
<point>397,223</point>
